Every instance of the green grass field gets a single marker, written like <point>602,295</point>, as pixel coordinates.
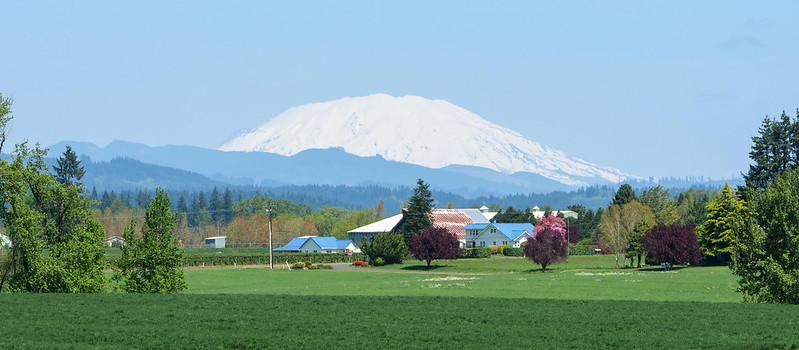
<point>500,304</point>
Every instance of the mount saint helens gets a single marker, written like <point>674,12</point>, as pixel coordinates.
<point>412,129</point>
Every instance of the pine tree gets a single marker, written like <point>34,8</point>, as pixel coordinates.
<point>774,150</point>
<point>416,219</point>
<point>68,169</point>
<point>624,195</point>
<point>715,234</point>
<point>154,262</point>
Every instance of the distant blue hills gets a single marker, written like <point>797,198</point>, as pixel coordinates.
<point>318,166</point>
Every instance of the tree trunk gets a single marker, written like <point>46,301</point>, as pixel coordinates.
<point>428,263</point>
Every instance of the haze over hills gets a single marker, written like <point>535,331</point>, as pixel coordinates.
<point>415,130</point>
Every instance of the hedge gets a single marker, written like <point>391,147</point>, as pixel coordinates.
<point>510,251</point>
<point>215,259</point>
<point>477,252</point>
<point>582,250</point>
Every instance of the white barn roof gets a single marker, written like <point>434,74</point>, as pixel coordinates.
<point>385,225</point>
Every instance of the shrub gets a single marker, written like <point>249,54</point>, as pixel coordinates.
<point>510,251</point>
<point>582,250</point>
<point>389,246</point>
<point>380,261</point>
<point>298,265</point>
<point>494,249</point>
<point>476,252</point>
<point>214,259</point>
<point>501,249</point>
<point>360,263</point>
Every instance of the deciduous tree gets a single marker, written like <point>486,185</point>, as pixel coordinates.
<point>766,243</point>
<point>548,245</point>
<point>673,244</point>
<point>435,244</point>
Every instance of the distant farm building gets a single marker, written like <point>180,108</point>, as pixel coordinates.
<point>115,241</point>
<point>316,244</point>
<point>451,219</point>
<point>215,242</point>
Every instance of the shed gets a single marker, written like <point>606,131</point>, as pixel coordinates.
<point>215,242</point>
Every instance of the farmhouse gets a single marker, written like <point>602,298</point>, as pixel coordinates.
<point>316,244</point>
<point>538,213</point>
<point>452,219</point>
<point>481,235</point>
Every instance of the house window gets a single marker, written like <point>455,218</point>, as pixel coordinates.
<point>493,230</point>
<point>495,242</point>
<point>482,243</point>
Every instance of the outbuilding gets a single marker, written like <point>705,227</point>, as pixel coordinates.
<point>215,242</point>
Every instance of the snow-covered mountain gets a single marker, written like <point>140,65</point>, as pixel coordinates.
<point>412,129</point>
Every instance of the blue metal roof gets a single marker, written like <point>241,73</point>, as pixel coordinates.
<point>476,226</point>
<point>513,231</point>
<point>322,242</point>
<point>294,245</point>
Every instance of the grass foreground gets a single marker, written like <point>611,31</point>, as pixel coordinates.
<point>458,304</point>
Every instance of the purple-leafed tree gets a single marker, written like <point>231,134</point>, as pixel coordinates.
<point>548,245</point>
<point>435,244</point>
<point>672,243</point>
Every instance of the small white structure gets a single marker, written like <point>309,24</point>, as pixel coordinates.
<point>115,241</point>
<point>215,242</point>
<point>316,244</point>
<point>5,242</point>
<point>483,235</point>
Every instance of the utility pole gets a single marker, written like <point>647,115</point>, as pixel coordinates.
<point>271,266</point>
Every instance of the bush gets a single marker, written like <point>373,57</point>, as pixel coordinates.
<point>476,252</point>
<point>582,250</point>
<point>389,246</point>
<point>213,259</point>
<point>494,249</point>
<point>360,263</point>
<point>510,251</point>
<point>501,249</point>
<point>380,261</point>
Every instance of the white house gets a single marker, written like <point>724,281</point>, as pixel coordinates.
<point>483,235</point>
<point>5,242</point>
<point>115,241</point>
<point>316,244</point>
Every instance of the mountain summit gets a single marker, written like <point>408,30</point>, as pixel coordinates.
<point>412,129</point>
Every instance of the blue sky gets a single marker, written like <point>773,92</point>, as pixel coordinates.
<point>653,88</point>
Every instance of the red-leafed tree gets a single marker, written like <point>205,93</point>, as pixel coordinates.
<point>435,244</point>
<point>548,245</point>
<point>573,234</point>
<point>672,243</point>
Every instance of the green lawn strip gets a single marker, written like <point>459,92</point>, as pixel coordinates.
<point>217,321</point>
<point>498,263</point>
<point>709,284</point>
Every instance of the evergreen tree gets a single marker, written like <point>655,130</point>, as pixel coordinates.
<point>215,206</point>
<point>227,206</point>
<point>68,169</point>
<point>774,150</point>
<point>416,219</point>
<point>715,234</point>
<point>662,204</point>
<point>624,195</point>
<point>154,262</point>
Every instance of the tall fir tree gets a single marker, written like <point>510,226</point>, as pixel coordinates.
<point>416,218</point>
<point>68,170</point>
<point>774,150</point>
<point>624,195</point>
<point>154,262</point>
<point>715,234</point>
